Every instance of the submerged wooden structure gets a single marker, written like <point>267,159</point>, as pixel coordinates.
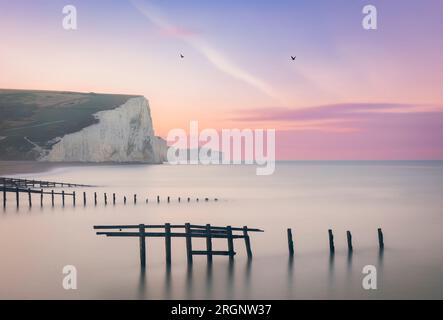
<point>187,231</point>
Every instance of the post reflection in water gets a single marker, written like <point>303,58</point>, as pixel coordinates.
<point>142,294</point>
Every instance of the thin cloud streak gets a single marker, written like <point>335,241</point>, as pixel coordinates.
<point>217,59</point>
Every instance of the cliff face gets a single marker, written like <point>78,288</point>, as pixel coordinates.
<point>123,134</point>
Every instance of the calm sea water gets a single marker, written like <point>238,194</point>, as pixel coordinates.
<point>403,198</point>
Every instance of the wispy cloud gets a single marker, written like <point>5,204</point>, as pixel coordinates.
<point>354,131</point>
<point>216,58</point>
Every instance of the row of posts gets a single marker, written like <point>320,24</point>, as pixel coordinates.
<point>331,241</point>
<point>73,195</point>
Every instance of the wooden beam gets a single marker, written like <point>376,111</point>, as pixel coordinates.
<point>290,243</point>
<point>142,246</point>
<point>247,242</point>
<point>168,243</point>
<point>209,243</point>
<point>230,242</point>
<point>215,253</point>
<point>349,238</point>
<point>188,242</point>
<point>381,242</point>
<point>331,241</point>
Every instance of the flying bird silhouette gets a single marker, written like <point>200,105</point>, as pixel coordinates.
<point>293,58</point>
<point>182,56</point>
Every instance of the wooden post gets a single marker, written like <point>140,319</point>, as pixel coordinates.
<point>113,198</point>
<point>247,242</point>
<point>349,237</point>
<point>158,199</point>
<point>95,198</point>
<point>73,198</point>
<point>179,199</point>
<point>29,198</point>
<point>4,195</point>
<point>169,199</point>
<point>124,200</point>
<point>52,197</point>
<point>168,243</point>
<point>381,242</point>
<point>84,199</point>
<point>142,246</point>
<point>41,197</point>
<point>135,199</point>
<point>290,243</point>
<point>189,199</point>
<point>106,198</point>
<point>230,243</point>
<point>209,242</point>
<point>331,241</point>
<point>63,198</point>
<point>188,242</point>
<point>17,197</point>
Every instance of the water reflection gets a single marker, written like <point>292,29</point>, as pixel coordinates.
<point>142,294</point>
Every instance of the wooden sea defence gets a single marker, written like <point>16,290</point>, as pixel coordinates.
<point>331,241</point>
<point>26,183</point>
<point>187,231</point>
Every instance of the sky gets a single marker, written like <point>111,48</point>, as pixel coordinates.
<point>350,94</point>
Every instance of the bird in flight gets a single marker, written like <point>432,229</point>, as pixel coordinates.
<point>182,56</point>
<point>293,58</point>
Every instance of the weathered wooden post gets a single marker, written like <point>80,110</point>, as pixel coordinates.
<point>209,243</point>
<point>95,198</point>
<point>158,199</point>
<point>381,242</point>
<point>247,242</point>
<point>135,199</point>
<point>179,199</point>
<point>73,198</point>
<point>4,195</point>
<point>84,199</point>
<point>169,199</point>
<point>349,237</point>
<point>206,199</point>
<point>168,243</point>
<point>189,199</point>
<point>41,197</point>
<point>141,229</point>
<point>63,198</point>
<point>230,243</point>
<point>290,243</point>
<point>113,198</point>
<point>188,242</point>
<point>197,200</point>
<point>124,200</point>
<point>106,198</point>
<point>331,241</point>
<point>52,197</point>
<point>17,197</point>
<point>29,198</point>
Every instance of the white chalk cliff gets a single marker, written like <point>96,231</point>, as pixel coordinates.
<point>123,134</point>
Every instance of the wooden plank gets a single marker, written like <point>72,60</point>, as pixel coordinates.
<point>331,241</point>
<point>162,234</point>
<point>349,239</point>
<point>381,242</point>
<point>188,242</point>
<point>209,243</point>
<point>247,242</point>
<point>142,246</point>
<point>168,243</point>
<point>230,242</point>
<point>215,253</point>
<point>290,243</point>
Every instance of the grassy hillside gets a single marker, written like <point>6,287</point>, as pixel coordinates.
<point>31,119</point>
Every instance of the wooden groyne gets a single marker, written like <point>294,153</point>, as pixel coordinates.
<point>26,183</point>
<point>167,231</point>
<point>381,243</point>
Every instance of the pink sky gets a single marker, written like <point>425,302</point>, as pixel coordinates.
<point>240,75</point>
